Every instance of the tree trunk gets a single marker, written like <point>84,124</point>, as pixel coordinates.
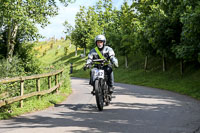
<point>146,62</point>
<point>126,62</point>
<point>8,43</point>
<point>181,66</point>
<point>164,64</point>
<point>76,51</point>
<point>12,33</point>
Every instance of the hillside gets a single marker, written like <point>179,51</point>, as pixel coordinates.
<point>187,84</point>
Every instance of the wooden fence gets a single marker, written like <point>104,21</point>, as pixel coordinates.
<point>58,83</point>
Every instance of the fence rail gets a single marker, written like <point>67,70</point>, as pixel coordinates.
<point>58,83</point>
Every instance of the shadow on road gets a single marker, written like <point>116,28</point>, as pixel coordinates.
<point>118,119</point>
<point>138,110</point>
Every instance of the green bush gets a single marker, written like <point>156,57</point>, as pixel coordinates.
<point>24,63</point>
<point>11,69</point>
<point>30,63</point>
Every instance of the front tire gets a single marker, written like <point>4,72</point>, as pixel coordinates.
<point>98,94</point>
<point>106,94</point>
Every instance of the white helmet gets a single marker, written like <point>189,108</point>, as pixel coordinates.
<point>100,38</point>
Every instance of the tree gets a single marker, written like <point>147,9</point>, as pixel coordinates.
<point>68,29</point>
<point>86,28</point>
<point>79,35</point>
<point>19,18</point>
<point>162,25</point>
<point>127,31</point>
<point>93,27</point>
<point>188,48</point>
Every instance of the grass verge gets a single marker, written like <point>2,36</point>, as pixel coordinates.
<point>186,84</point>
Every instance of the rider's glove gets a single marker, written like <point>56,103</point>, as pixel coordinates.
<point>86,66</point>
<point>116,64</point>
<point>115,61</point>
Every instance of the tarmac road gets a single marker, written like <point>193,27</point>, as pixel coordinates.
<point>135,109</point>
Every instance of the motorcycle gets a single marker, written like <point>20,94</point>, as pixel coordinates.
<point>100,86</point>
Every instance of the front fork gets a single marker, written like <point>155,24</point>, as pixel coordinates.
<point>102,84</point>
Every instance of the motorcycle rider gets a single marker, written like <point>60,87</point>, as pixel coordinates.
<point>105,52</point>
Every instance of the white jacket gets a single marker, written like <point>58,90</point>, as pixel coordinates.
<point>107,52</point>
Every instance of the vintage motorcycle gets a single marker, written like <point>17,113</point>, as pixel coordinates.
<point>100,84</point>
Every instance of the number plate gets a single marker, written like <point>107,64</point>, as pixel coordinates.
<point>99,74</point>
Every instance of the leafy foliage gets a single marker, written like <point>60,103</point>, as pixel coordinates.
<point>189,47</point>
<point>159,28</point>
<point>19,19</point>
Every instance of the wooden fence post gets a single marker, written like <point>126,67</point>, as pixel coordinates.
<point>61,74</point>
<point>49,81</point>
<point>59,77</point>
<point>38,86</point>
<point>21,92</point>
<point>56,82</point>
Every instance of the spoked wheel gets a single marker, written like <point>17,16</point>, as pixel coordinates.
<point>99,95</point>
<point>106,94</point>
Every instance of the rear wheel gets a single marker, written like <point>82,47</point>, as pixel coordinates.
<point>98,94</point>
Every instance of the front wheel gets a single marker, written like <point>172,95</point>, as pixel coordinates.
<point>98,94</point>
<point>107,96</point>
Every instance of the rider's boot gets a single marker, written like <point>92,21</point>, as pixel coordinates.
<point>111,89</point>
<point>93,91</point>
<point>90,83</point>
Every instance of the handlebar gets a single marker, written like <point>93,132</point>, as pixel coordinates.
<point>99,60</point>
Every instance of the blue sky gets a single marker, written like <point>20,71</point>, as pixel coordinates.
<point>68,13</point>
